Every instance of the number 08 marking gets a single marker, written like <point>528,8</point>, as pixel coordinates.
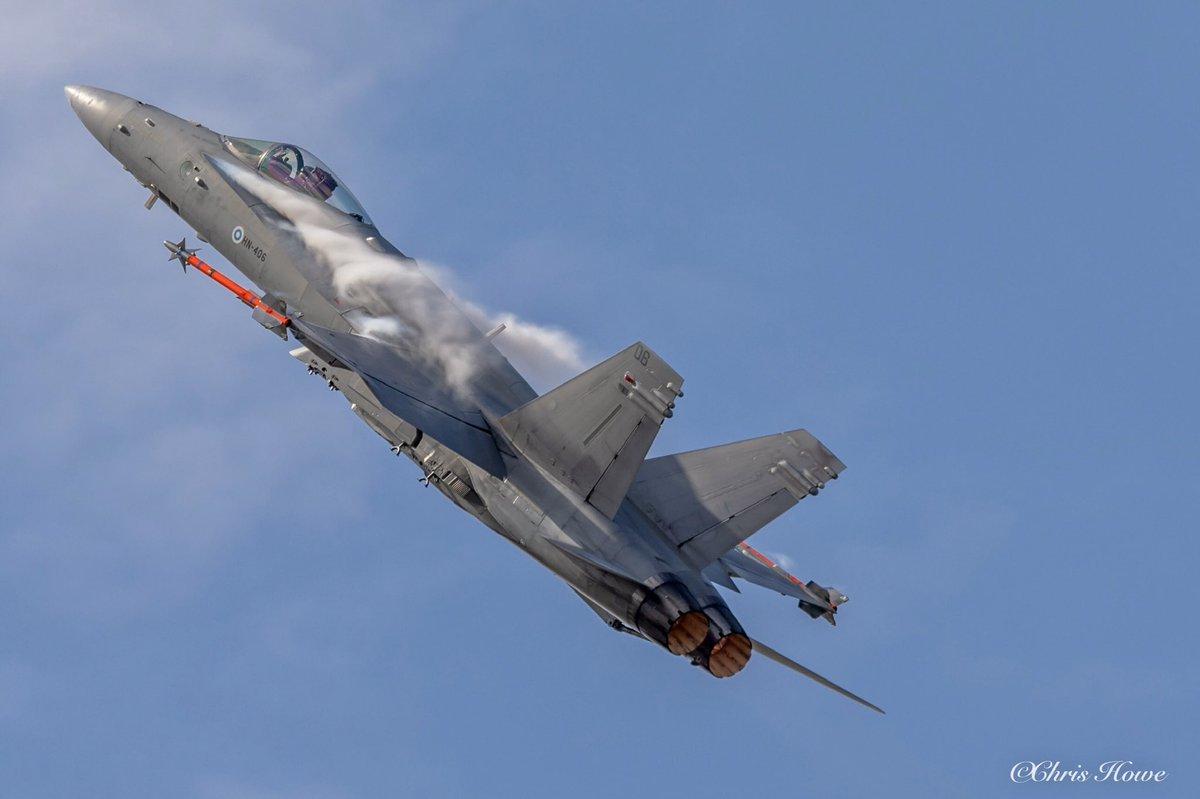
<point>641,355</point>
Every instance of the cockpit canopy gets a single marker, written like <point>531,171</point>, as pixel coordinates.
<point>297,169</point>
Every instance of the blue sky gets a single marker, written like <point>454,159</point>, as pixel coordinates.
<point>956,242</point>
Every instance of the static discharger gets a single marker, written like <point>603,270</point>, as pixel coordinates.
<point>180,252</point>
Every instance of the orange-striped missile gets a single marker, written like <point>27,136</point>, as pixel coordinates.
<point>180,252</point>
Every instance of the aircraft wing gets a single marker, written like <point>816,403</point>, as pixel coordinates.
<point>710,500</point>
<point>408,388</point>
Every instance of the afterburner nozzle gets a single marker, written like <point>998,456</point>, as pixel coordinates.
<point>727,649</point>
<point>671,617</point>
<point>729,655</point>
<point>687,632</point>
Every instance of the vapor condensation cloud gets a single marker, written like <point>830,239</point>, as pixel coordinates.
<point>546,355</point>
<point>400,302</point>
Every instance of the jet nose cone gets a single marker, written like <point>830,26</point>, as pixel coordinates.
<point>98,109</point>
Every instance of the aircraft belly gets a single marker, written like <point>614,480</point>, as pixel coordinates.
<point>609,564</point>
<point>633,551</point>
<point>526,526</point>
<point>602,560</point>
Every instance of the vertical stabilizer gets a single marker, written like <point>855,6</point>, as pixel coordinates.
<point>593,432</point>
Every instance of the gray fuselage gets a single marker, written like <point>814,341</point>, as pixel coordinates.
<point>624,567</point>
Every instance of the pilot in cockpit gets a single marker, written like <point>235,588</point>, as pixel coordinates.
<point>297,169</point>
<point>286,164</point>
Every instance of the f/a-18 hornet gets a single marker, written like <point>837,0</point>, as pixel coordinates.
<point>564,476</point>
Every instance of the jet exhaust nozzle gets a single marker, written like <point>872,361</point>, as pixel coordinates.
<point>672,617</point>
<point>727,649</point>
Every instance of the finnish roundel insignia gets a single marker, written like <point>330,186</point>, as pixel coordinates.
<point>238,234</point>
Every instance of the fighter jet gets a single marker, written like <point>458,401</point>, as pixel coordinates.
<point>564,476</point>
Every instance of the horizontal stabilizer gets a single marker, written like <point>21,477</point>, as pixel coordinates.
<point>717,573</point>
<point>593,432</point>
<point>400,382</point>
<point>710,500</point>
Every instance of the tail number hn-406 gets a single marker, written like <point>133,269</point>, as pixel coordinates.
<point>239,237</point>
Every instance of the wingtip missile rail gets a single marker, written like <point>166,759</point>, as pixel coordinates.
<point>264,314</point>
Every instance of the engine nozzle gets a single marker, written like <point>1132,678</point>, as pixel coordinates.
<point>672,617</point>
<point>727,649</point>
